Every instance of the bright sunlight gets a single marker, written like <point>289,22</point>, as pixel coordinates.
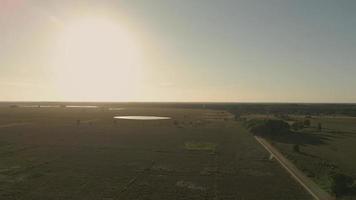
<point>96,58</point>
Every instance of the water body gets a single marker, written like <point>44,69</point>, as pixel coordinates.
<point>142,117</point>
<point>116,109</point>
<point>31,106</point>
<point>49,106</point>
<point>81,106</point>
<point>41,106</point>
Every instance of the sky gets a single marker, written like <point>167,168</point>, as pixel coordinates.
<point>178,50</point>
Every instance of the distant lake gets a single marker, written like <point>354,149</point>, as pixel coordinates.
<point>116,108</point>
<point>75,106</point>
<point>141,117</point>
<point>41,106</point>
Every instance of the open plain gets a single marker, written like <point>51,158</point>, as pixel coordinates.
<point>84,153</point>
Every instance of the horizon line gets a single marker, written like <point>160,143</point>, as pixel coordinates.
<point>186,102</point>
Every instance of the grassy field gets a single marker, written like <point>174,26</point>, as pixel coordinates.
<point>198,154</point>
<point>324,152</point>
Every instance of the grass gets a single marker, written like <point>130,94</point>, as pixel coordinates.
<point>200,146</point>
<point>54,158</point>
<point>334,153</point>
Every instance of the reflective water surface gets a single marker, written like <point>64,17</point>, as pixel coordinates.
<point>116,108</point>
<point>77,106</point>
<point>142,117</point>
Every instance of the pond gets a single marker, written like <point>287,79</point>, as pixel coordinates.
<point>142,117</point>
<point>40,106</point>
<point>116,109</point>
<point>79,106</point>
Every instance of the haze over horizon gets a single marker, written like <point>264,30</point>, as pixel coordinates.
<point>178,51</point>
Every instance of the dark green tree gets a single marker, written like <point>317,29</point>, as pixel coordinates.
<point>340,184</point>
<point>297,125</point>
<point>307,123</point>
<point>237,116</point>
<point>319,126</point>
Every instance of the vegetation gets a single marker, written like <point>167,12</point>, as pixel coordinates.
<point>307,123</point>
<point>297,125</point>
<point>319,127</point>
<point>267,127</point>
<point>320,158</point>
<point>327,154</point>
<point>296,148</point>
<point>200,146</point>
<point>290,109</point>
<point>341,184</point>
<point>53,158</point>
<point>319,143</point>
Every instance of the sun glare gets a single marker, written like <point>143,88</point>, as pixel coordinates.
<point>96,59</point>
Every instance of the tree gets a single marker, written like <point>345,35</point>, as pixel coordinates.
<point>296,148</point>
<point>319,126</point>
<point>175,123</point>
<point>267,127</point>
<point>340,184</point>
<point>297,125</point>
<point>237,116</point>
<point>307,122</point>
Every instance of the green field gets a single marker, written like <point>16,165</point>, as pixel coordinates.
<point>322,153</point>
<point>198,154</point>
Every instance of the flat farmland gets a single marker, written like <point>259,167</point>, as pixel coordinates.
<point>326,151</point>
<point>83,153</point>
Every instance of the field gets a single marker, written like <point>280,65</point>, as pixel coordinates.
<point>83,153</point>
<point>321,152</point>
<point>324,148</point>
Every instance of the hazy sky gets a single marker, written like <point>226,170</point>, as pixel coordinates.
<point>178,50</point>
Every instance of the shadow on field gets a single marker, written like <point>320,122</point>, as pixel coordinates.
<point>308,154</point>
<point>339,132</point>
<point>300,138</point>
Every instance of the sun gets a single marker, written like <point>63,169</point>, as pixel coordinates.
<point>96,59</point>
